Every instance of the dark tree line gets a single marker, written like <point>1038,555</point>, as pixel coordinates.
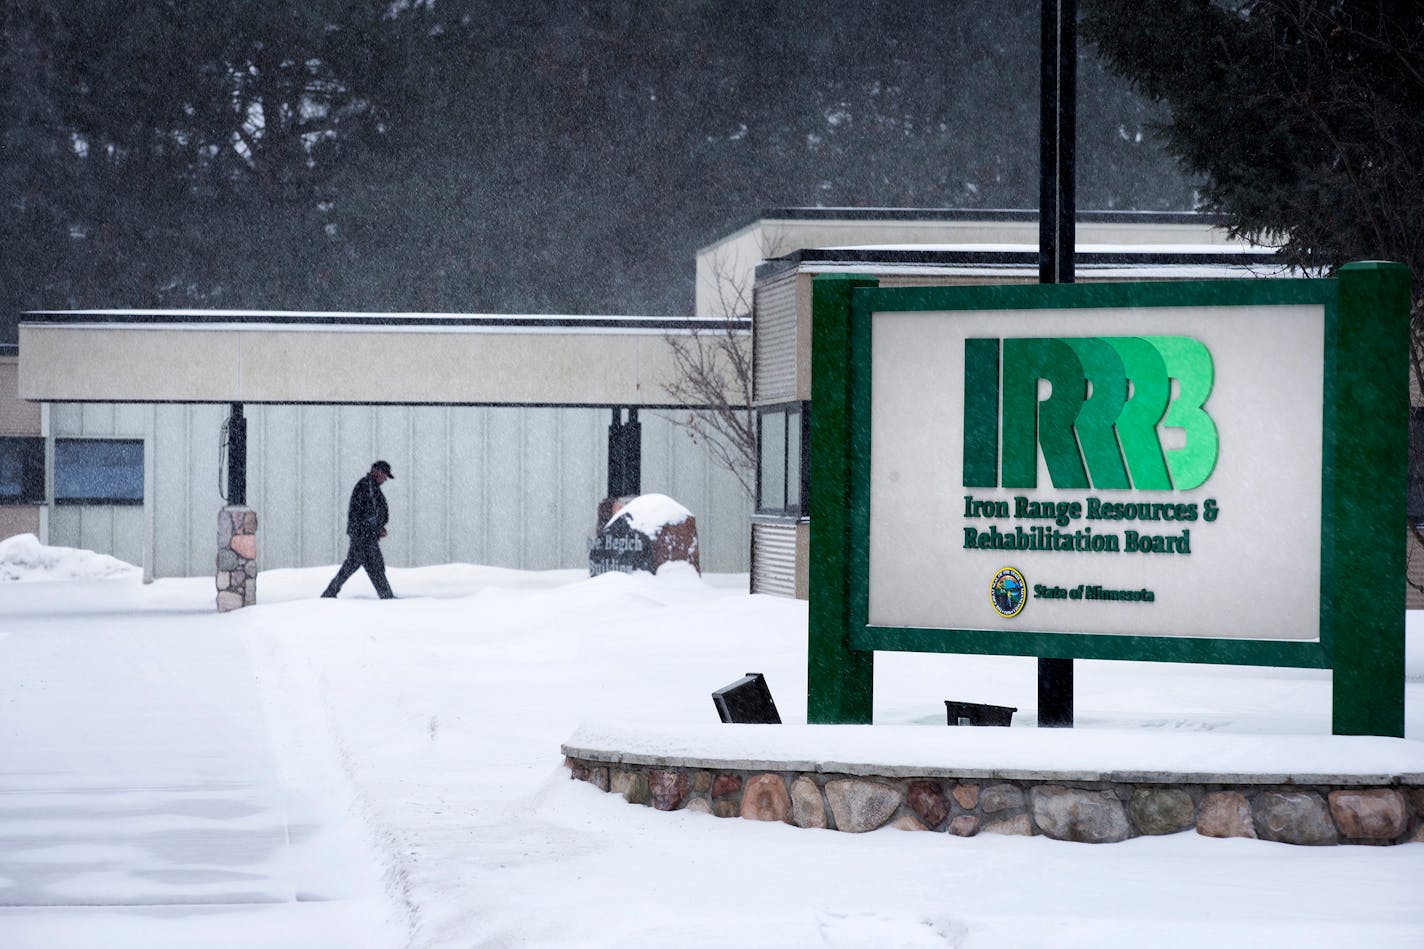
<point>469,155</point>
<point>1304,120</point>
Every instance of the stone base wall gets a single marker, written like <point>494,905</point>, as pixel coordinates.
<point>237,558</point>
<point>1087,811</point>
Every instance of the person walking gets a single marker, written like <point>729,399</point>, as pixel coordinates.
<point>366,517</point>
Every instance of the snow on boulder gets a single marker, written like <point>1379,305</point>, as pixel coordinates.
<point>643,534</point>
<point>23,557</point>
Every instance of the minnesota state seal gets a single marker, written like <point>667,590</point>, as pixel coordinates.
<point>1008,592</point>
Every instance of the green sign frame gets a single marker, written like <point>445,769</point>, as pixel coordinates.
<point>1363,479</point>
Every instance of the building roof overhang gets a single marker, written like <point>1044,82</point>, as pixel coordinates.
<point>364,358</point>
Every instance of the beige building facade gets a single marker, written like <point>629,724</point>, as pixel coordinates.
<point>22,475</point>
<point>928,248</point>
<point>498,429</point>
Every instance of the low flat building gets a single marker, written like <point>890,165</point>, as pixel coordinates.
<point>503,432</point>
<point>971,248</point>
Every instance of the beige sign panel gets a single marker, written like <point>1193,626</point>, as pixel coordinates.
<point>1235,557</point>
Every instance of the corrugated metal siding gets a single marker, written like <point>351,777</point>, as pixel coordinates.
<point>774,341</point>
<point>502,486</point>
<point>773,559</point>
<point>117,530</point>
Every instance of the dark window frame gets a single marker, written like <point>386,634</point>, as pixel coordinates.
<point>795,498</point>
<point>31,451</point>
<point>61,445</point>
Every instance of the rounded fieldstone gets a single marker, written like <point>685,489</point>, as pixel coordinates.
<point>927,800</point>
<point>229,560</point>
<point>600,778</point>
<point>1001,797</point>
<point>859,806</point>
<point>245,546</point>
<point>965,825</point>
<point>1370,813</point>
<point>667,788</point>
<point>699,805</point>
<point>1225,814</point>
<point>726,808</point>
<point>765,798</point>
<point>1161,810</point>
<point>967,796</point>
<point>807,807</point>
<point>1416,801</point>
<point>633,785</point>
<point>1018,826</point>
<point>907,822</point>
<point>725,784</point>
<point>702,782</point>
<point>1294,817</point>
<point>1094,817</point>
<point>228,601</point>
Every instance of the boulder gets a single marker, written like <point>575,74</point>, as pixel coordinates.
<point>926,798</point>
<point>807,807</point>
<point>859,806</point>
<point>667,788</point>
<point>1370,814</point>
<point>1294,817</point>
<point>1001,797</point>
<point>1094,817</point>
<point>1225,814</point>
<point>765,798</point>
<point>643,534</point>
<point>1161,810</point>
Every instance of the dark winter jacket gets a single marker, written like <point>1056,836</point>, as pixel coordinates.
<point>367,513</point>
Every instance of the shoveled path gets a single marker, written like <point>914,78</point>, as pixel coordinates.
<point>139,784</point>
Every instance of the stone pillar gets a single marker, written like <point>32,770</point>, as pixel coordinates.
<point>237,557</point>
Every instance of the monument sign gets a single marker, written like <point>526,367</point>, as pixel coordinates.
<point>1208,471</point>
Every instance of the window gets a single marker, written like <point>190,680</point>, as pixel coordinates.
<point>98,471</point>
<point>22,470</point>
<point>782,467</point>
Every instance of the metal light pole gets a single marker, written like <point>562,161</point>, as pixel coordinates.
<point>1058,47</point>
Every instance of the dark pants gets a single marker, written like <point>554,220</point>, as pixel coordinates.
<point>365,552</point>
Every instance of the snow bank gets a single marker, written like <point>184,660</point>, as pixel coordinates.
<point>23,557</point>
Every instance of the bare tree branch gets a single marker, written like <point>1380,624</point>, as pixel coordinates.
<point>714,378</point>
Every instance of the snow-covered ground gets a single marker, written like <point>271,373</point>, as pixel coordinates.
<point>357,773</point>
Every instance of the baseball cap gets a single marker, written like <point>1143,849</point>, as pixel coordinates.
<point>384,467</point>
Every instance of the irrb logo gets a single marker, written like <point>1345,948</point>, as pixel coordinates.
<point>1098,426</point>
<point>1008,593</point>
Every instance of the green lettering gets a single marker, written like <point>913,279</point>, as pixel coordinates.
<point>981,413</point>
<point>1107,394</point>
<point>1189,362</point>
<point>1147,402</point>
<point>1030,424</point>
